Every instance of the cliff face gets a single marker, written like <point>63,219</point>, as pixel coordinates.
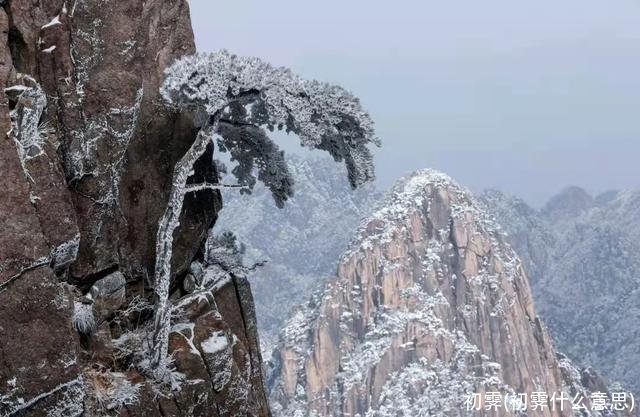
<point>429,304</point>
<point>86,169</point>
<point>582,254</point>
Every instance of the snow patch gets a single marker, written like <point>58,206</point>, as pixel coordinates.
<point>217,342</point>
<point>54,22</point>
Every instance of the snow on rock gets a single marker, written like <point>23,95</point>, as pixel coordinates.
<point>429,305</point>
<point>214,344</point>
<point>54,22</point>
<point>87,161</point>
<point>26,131</point>
<point>217,342</point>
<point>65,253</point>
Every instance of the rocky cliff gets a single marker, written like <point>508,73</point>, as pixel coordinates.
<point>582,252</point>
<point>429,305</point>
<point>86,163</point>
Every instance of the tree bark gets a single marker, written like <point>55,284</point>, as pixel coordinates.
<point>167,225</point>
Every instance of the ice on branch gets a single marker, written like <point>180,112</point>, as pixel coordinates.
<point>323,116</point>
<point>237,100</point>
<point>26,131</point>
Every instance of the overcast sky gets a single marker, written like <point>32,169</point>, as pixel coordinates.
<point>524,96</point>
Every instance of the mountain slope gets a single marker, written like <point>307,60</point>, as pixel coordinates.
<point>300,242</point>
<point>429,304</point>
<point>585,272</point>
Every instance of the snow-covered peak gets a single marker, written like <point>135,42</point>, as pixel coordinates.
<point>409,193</point>
<point>428,305</point>
<point>408,188</point>
<point>426,191</point>
<point>423,177</point>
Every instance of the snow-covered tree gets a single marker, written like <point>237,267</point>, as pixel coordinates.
<point>239,100</point>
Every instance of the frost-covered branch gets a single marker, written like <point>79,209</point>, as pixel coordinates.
<point>192,188</point>
<point>236,123</point>
<point>243,98</point>
<point>169,222</point>
<point>255,152</point>
<point>323,116</point>
<point>26,130</point>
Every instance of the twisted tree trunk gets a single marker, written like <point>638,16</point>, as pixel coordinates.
<point>168,223</point>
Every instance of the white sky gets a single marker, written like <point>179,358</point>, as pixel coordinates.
<point>525,96</point>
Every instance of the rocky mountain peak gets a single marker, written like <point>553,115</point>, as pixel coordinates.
<point>426,192</point>
<point>428,305</point>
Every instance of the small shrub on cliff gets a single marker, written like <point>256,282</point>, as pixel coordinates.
<point>83,320</point>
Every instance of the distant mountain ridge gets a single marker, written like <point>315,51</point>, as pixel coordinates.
<point>300,242</point>
<point>583,256</point>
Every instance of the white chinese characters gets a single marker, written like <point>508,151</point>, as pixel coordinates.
<point>539,400</point>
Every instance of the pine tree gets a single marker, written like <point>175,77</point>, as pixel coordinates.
<point>238,101</point>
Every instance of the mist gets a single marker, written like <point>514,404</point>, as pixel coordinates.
<point>526,97</point>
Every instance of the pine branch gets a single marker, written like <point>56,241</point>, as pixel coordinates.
<point>192,188</point>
